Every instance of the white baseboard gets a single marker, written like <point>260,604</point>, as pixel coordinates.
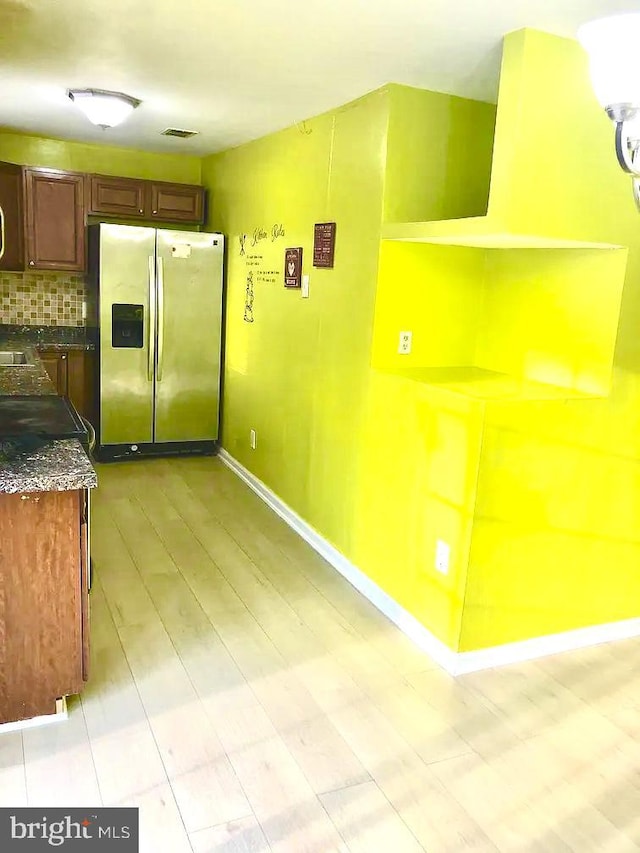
<point>34,722</point>
<point>455,663</point>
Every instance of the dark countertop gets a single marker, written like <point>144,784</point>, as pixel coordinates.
<point>24,378</point>
<point>59,467</point>
<point>52,337</point>
<point>56,467</point>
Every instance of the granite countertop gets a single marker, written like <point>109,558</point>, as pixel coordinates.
<point>59,465</point>
<point>61,338</point>
<point>24,378</point>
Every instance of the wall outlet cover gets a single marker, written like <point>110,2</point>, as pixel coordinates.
<point>443,555</point>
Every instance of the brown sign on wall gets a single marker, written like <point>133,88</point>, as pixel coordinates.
<point>324,244</point>
<point>293,267</point>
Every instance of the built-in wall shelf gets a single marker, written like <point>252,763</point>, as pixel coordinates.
<point>481,232</point>
<point>487,385</point>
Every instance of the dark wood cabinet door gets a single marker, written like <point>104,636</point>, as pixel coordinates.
<point>76,381</point>
<point>177,202</point>
<point>41,614</point>
<point>56,364</point>
<point>55,220</point>
<point>11,217</point>
<point>73,374</point>
<point>111,196</point>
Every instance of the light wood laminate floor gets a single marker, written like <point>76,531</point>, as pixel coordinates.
<point>246,698</point>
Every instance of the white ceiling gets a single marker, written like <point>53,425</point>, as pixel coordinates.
<point>238,69</point>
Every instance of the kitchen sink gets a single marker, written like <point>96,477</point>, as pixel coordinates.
<point>13,359</point>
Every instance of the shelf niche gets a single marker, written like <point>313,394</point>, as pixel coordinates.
<point>500,324</point>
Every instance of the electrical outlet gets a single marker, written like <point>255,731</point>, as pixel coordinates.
<point>404,343</point>
<point>443,554</point>
<point>253,439</point>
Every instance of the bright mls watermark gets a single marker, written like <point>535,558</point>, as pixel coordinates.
<point>35,830</point>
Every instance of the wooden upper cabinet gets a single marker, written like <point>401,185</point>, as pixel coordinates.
<point>111,196</point>
<point>11,217</point>
<point>177,202</point>
<point>55,220</point>
<point>134,198</point>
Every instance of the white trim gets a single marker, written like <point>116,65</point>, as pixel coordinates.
<point>551,644</point>
<point>34,722</point>
<point>456,663</point>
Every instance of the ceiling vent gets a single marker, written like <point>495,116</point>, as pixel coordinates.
<point>181,134</point>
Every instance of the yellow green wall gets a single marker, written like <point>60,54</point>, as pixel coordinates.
<point>438,162</point>
<point>509,432</point>
<point>30,150</point>
<point>298,373</point>
<point>327,440</point>
<point>555,542</point>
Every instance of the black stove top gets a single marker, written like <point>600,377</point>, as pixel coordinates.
<point>46,416</point>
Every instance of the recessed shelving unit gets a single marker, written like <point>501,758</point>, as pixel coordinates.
<point>500,324</point>
<point>479,232</point>
<point>507,286</point>
<point>487,385</point>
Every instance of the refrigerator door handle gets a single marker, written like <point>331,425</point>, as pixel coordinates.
<point>2,234</point>
<point>160,319</point>
<point>152,319</point>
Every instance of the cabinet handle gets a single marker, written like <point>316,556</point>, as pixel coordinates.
<point>36,499</point>
<point>63,357</point>
<point>24,497</point>
<point>141,210</point>
<point>154,212</point>
<point>32,263</point>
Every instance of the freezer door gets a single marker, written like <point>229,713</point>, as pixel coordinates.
<point>127,320</point>
<point>189,335</point>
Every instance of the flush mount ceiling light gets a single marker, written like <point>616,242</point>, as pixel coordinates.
<point>614,63</point>
<point>106,109</point>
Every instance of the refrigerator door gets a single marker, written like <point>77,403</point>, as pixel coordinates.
<point>189,335</point>
<point>127,333</point>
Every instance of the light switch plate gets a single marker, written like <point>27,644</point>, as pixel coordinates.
<point>305,286</point>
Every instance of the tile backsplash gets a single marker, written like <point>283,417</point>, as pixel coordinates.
<point>42,298</point>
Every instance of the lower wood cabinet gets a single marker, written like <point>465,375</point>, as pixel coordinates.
<point>56,364</point>
<point>72,373</point>
<point>44,612</point>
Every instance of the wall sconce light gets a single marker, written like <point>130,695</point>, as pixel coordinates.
<point>614,62</point>
<point>105,109</point>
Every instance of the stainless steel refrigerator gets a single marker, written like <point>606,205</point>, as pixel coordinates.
<point>160,327</point>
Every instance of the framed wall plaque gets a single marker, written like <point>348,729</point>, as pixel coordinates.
<point>324,244</point>
<point>293,267</point>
